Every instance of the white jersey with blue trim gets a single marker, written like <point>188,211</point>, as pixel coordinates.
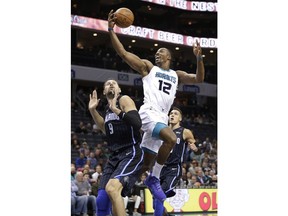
<point>160,88</point>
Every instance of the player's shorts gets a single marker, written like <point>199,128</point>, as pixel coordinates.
<point>153,121</point>
<point>124,165</point>
<point>169,178</point>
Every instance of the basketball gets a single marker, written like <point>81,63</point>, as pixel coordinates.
<point>124,17</point>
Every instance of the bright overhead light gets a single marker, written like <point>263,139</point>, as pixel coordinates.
<point>211,51</point>
<point>203,56</point>
<point>94,34</point>
<point>156,44</point>
<point>133,41</point>
<point>177,48</point>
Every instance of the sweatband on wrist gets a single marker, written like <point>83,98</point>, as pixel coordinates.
<point>110,29</point>
<point>199,58</point>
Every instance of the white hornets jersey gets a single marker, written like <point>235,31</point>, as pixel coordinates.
<point>160,88</point>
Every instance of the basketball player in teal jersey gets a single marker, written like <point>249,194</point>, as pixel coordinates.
<point>160,85</point>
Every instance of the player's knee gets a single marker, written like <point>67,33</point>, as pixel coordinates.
<point>110,188</point>
<point>171,141</point>
<point>113,187</point>
<point>169,138</point>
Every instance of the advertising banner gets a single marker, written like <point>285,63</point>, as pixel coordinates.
<point>187,200</point>
<point>138,31</point>
<point>187,5</point>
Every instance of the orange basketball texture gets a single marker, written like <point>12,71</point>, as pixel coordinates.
<point>125,17</point>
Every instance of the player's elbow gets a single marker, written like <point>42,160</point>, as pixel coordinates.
<point>122,53</point>
<point>200,79</point>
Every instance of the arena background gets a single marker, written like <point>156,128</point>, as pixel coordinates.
<point>175,25</point>
<point>36,53</point>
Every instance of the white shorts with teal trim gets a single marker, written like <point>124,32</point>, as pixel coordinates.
<point>152,123</point>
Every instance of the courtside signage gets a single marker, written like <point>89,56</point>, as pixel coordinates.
<point>137,31</point>
<point>187,200</point>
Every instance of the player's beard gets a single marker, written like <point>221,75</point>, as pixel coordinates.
<point>111,94</point>
<point>158,62</point>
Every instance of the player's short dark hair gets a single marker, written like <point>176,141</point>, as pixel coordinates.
<point>170,53</point>
<point>111,79</point>
<point>172,60</point>
<point>178,109</point>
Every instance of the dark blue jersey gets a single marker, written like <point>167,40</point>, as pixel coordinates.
<point>177,154</point>
<point>119,134</point>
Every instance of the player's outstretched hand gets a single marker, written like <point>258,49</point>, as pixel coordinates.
<point>197,49</point>
<point>111,19</point>
<point>94,101</point>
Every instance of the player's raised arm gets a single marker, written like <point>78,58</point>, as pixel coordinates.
<point>131,59</point>
<point>186,78</point>
<point>98,119</point>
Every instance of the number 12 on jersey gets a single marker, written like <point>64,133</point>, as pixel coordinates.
<point>164,86</point>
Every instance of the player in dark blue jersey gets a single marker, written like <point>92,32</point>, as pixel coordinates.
<point>121,124</point>
<point>172,170</point>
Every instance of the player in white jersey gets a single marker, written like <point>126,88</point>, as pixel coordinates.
<point>160,84</point>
